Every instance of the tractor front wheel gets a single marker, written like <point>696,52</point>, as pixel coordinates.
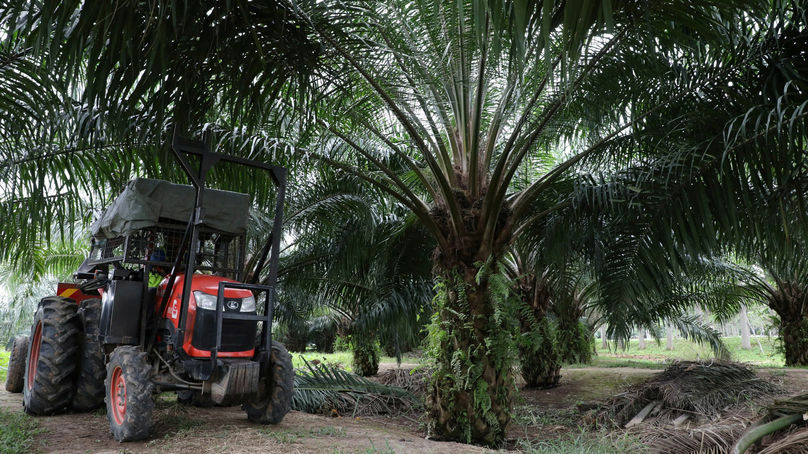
<point>16,365</point>
<point>129,389</point>
<point>50,372</point>
<point>275,392</point>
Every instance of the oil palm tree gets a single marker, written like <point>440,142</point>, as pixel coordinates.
<point>713,179</point>
<point>374,280</point>
<point>478,131</point>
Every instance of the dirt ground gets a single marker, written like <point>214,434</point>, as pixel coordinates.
<point>208,430</point>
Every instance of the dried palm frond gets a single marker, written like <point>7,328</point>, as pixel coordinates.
<point>413,380</point>
<point>793,442</point>
<point>708,439</point>
<point>328,389</point>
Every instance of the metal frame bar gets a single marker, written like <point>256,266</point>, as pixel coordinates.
<point>208,159</point>
<point>266,335</point>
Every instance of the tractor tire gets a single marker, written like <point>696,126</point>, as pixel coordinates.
<point>92,368</point>
<point>275,392</point>
<point>16,365</point>
<point>129,389</point>
<point>195,398</point>
<point>53,353</point>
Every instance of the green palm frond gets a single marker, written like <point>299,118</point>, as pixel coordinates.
<point>320,388</point>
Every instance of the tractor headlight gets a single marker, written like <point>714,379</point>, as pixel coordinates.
<point>248,304</point>
<point>205,300</point>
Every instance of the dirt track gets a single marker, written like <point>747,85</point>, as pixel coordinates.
<point>194,430</point>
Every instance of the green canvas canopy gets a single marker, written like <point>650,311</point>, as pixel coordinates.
<point>144,201</point>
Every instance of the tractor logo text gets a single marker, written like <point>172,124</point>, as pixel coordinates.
<point>232,304</point>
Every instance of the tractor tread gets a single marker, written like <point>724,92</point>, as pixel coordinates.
<point>277,402</point>
<point>138,421</point>
<point>54,384</point>
<point>16,365</point>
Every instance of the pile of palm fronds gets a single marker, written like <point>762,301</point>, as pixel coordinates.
<point>327,389</point>
<point>696,388</point>
<point>413,380</point>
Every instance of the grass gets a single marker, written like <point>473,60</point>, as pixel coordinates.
<point>342,359</point>
<point>17,432</point>
<point>3,365</point>
<point>654,356</point>
<point>530,415</point>
<point>294,436</point>
<point>655,353</point>
<point>372,449</point>
<point>583,442</point>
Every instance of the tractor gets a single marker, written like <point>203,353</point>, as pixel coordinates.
<point>162,304</point>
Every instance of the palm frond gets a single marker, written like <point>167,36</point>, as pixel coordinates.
<point>320,388</point>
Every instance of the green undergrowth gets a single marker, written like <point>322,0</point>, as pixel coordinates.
<point>583,441</point>
<point>341,359</point>
<point>607,362</point>
<point>17,432</point>
<point>686,350</point>
<point>3,365</point>
<point>296,435</point>
<point>372,449</point>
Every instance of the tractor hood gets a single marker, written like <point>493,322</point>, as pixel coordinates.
<point>144,201</point>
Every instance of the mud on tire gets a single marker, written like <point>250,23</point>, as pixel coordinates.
<point>92,370</point>
<point>129,389</point>
<point>275,392</point>
<point>50,370</point>
<point>16,365</point>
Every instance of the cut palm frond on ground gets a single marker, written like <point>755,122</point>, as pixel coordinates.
<point>708,438</point>
<point>413,380</point>
<point>321,388</point>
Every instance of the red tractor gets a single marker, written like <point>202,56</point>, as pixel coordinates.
<point>200,330</point>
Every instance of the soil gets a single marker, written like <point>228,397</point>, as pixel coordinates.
<point>203,430</point>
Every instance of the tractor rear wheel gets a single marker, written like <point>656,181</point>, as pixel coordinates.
<point>16,365</point>
<point>275,391</point>
<point>50,372</point>
<point>92,370</point>
<point>129,389</point>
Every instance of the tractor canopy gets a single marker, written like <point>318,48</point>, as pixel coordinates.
<point>144,202</point>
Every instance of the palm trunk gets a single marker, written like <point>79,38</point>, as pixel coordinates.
<point>365,355</point>
<point>471,345</point>
<point>669,344</point>
<point>541,364</point>
<point>745,341</point>
<point>789,301</point>
<point>539,358</point>
<point>296,339</point>
<point>574,338</point>
<point>604,343</point>
<point>641,339</point>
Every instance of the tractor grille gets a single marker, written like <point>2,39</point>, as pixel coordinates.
<point>237,335</point>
